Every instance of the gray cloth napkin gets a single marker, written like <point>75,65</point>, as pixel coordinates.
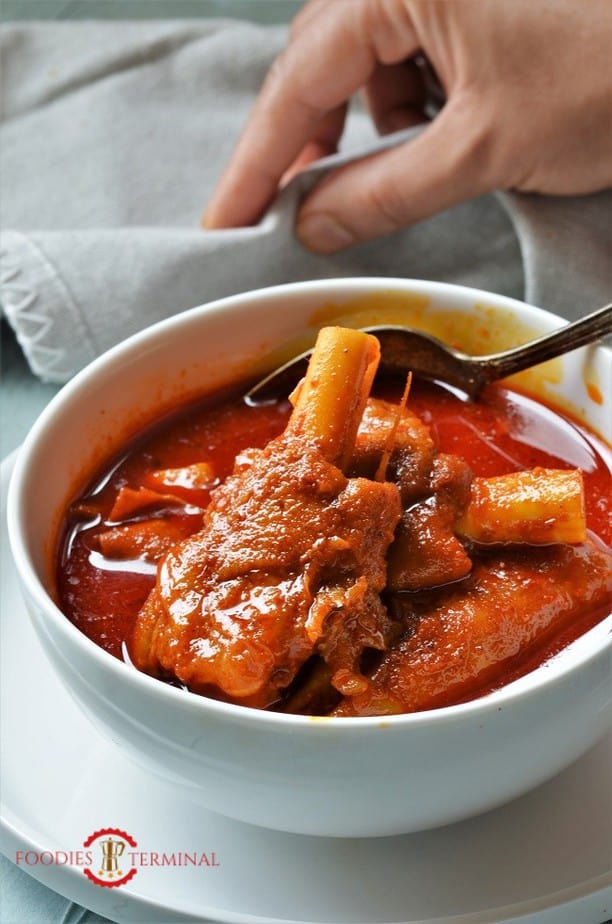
<point>113,136</point>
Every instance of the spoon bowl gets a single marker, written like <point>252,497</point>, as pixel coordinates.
<point>406,350</point>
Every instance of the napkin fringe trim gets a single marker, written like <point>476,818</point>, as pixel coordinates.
<point>34,300</point>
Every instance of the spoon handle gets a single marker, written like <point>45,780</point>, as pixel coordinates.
<point>562,340</point>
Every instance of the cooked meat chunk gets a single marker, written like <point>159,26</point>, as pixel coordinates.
<point>426,551</point>
<point>290,563</point>
<point>507,605</point>
<point>291,559</point>
<point>413,452</point>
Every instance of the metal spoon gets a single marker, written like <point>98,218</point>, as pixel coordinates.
<point>403,349</point>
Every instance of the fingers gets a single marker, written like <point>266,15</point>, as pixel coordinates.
<point>396,97</point>
<point>305,14</point>
<point>331,57</point>
<point>446,164</point>
<point>324,141</point>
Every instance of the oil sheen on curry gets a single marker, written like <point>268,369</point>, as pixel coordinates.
<point>357,549</point>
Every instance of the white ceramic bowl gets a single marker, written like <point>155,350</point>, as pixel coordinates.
<point>337,777</point>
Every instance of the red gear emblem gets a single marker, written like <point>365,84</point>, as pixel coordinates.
<point>109,846</point>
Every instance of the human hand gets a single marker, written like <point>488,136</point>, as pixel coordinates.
<point>528,108</point>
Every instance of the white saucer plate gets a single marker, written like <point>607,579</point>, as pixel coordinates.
<point>545,858</point>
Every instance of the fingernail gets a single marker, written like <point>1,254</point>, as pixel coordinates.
<point>323,233</point>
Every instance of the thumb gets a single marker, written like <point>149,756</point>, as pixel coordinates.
<point>444,165</point>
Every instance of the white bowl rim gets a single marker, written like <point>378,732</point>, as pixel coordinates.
<point>528,685</point>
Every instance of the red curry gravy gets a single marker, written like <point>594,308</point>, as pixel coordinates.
<point>503,432</point>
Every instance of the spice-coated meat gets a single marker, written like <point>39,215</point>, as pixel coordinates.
<point>290,562</point>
